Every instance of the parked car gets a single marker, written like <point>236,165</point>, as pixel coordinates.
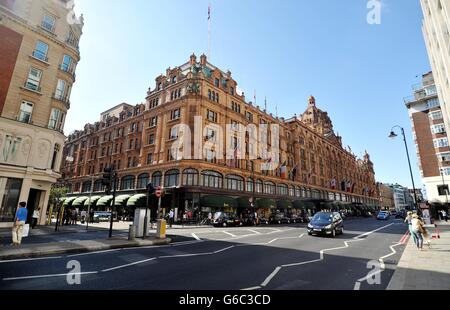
<point>279,218</point>
<point>401,214</point>
<point>263,221</point>
<point>383,215</point>
<point>227,220</point>
<point>326,223</point>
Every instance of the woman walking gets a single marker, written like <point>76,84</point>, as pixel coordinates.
<point>408,220</point>
<point>417,229</point>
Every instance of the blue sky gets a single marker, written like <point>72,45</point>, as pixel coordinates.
<point>285,50</point>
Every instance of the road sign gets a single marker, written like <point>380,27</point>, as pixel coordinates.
<point>158,192</point>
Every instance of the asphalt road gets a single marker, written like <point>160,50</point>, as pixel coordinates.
<point>269,257</point>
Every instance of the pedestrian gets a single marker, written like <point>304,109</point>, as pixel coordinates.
<point>68,216</point>
<point>74,216</point>
<point>408,219</point>
<point>444,215</point>
<point>91,216</point>
<point>19,222</point>
<point>417,229</point>
<point>171,215</point>
<point>36,216</point>
<point>83,216</point>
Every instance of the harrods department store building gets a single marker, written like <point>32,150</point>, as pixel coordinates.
<point>313,165</point>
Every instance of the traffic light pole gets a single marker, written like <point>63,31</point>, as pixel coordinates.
<point>114,174</point>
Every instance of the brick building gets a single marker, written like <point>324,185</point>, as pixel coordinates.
<point>38,55</point>
<point>430,137</point>
<point>386,195</point>
<point>143,142</point>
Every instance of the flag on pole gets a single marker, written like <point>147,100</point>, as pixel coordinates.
<point>349,185</point>
<point>333,183</point>
<point>283,170</point>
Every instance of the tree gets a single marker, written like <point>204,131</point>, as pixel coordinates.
<point>56,193</point>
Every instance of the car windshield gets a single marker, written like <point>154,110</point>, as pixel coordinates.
<point>322,218</point>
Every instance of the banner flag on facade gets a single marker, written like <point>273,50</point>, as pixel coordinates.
<point>333,183</point>
<point>283,170</point>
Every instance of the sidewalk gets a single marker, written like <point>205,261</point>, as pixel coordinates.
<point>75,246</point>
<point>427,270</point>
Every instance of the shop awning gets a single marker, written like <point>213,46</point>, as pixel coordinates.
<point>215,201</point>
<point>121,200</point>
<point>79,201</point>
<point>284,204</point>
<point>244,203</point>
<point>266,203</point>
<point>104,201</point>
<point>137,201</point>
<point>68,201</point>
<point>93,201</point>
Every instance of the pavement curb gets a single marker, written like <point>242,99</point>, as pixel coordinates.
<point>77,247</point>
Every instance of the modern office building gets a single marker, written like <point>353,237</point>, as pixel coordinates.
<point>436,27</point>
<point>402,197</point>
<point>430,137</point>
<point>38,56</point>
<point>217,167</point>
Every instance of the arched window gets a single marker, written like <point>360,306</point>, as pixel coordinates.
<point>156,178</point>
<point>98,187</point>
<point>298,192</point>
<point>127,182</point>
<point>269,188</point>
<point>249,186</point>
<point>190,177</point>
<point>212,179</point>
<point>86,187</point>
<point>171,178</point>
<point>235,182</point>
<point>282,189</point>
<point>143,180</point>
<point>291,191</point>
<point>259,186</point>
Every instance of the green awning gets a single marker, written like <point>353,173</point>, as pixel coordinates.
<point>104,201</point>
<point>266,203</point>
<point>284,204</point>
<point>137,201</point>
<point>79,201</point>
<point>215,201</point>
<point>121,200</point>
<point>93,200</point>
<point>68,201</point>
<point>244,203</point>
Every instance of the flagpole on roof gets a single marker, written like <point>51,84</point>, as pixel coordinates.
<point>209,30</point>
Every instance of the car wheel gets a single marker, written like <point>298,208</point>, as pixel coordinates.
<point>310,234</point>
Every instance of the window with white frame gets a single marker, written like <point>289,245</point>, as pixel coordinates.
<point>48,22</point>
<point>212,116</point>
<point>40,51</point>
<point>56,119</point>
<point>67,64</point>
<point>435,115</point>
<point>444,156</point>
<point>153,121</point>
<point>438,128</point>
<point>34,79</point>
<point>175,114</point>
<point>60,89</point>
<point>432,103</point>
<point>442,142</point>
<point>211,134</point>
<point>173,133</point>
<point>26,110</point>
<point>431,90</point>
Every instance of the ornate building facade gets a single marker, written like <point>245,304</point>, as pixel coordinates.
<point>38,56</point>
<point>199,100</point>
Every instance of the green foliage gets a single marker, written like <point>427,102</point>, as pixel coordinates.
<point>57,193</point>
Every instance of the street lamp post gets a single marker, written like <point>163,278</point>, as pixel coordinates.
<point>393,135</point>
<point>443,185</point>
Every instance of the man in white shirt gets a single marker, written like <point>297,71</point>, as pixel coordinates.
<point>36,216</point>
<point>171,214</point>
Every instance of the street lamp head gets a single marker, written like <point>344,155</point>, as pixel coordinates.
<point>392,135</point>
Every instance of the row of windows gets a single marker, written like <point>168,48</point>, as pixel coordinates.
<point>56,121</point>
<point>213,96</point>
<point>154,103</point>
<point>48,23</point>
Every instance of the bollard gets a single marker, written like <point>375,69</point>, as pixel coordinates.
<point>132,233</point>
<point>161,229</point>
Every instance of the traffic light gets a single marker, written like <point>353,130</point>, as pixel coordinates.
<point>106,180</point>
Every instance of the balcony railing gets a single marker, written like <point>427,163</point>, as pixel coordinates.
<point>40,55</point>
<point>63,99</point>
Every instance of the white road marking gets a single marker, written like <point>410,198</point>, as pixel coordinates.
<point>251,288</point>
<point>195,236</point>
<point>321,257</point>
<point>254,231</point>
<point>371,274</point>
<point>223,250</point>
<point>96,252</point>
<point>27,259</point>
<point>229,234</point>
<point>49,276</point>
<point>130,264</point>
